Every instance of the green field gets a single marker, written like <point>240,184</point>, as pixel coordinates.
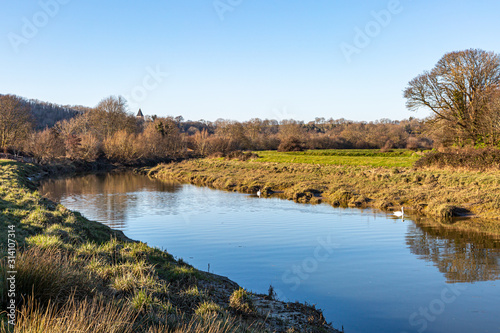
<point>365,157</point>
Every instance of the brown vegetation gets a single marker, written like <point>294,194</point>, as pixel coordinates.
<point>462,91</point>
<point>436,193</point>
<point>291,144</point>
<point>15,121</point>
<point>110,132</point>
<point>107,131</point>
<point>465,159</point>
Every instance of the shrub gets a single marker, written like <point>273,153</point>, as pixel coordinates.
<point>122,146</point>
<point>291,144</point>
<point>415,143</point>
<point>469,158</point>
<point>47,145</point>
<point>90,147</point>
<point>387,146</point>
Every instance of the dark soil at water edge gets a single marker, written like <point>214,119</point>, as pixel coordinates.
<point>78,275</point>
<point>440,194</point>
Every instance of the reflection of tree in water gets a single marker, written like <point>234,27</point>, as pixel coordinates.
<point>460,256</point>
<point>112,196</point>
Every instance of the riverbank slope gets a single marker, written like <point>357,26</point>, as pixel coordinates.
<point>440,194</point>
<point>73,274</point>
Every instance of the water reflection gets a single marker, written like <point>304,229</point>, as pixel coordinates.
<point>382,271</point>
<point>113,198</point>
<point>460,256</point>
<point>110,197</point>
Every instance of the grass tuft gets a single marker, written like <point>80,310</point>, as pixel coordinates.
<point>45,241</point>
<point>241,301</point>
<point>49,276</point>
<point>208,308</point>
<point>142,301</point>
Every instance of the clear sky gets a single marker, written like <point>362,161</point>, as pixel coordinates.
<point>236,59</point>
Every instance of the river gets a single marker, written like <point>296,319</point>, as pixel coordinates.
<point>368,271</point>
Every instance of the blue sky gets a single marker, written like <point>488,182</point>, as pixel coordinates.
<point>236,59</point>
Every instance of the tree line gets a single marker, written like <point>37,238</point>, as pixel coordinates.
<point>46,114</point>
<point>109,131</point>
<point>462,91</point>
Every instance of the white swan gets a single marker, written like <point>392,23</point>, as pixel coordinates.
<point>399,213</point>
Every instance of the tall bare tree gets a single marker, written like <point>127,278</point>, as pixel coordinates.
<point>111,116</point>
<point>15,121</point>
<point>459,90</point>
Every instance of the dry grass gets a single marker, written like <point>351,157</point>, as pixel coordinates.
<point>462,158</point>
<point>75,275</point>
<point>208,308</point>
<point>436,193</point>
<point>206,324</point>
<point>49,275</point>
<point>97,316</point>
<point>105,316</point>
<point>241,301</point>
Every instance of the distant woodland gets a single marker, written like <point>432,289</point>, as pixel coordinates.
<point>48,114</point>
<point>48,132</point>
<point>462,91</point>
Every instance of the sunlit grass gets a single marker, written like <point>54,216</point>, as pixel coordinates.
<point>240,300</point>
<point>45,241</point>
<point>208,308</point>
<point>96,316</point>
<point>75,275</point>
<point>365,157</point>
<point>438,193</point>
<point>49,275</point>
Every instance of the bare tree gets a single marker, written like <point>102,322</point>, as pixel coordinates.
<point>458,91</point>
<point>111,116</point>
<point>491,122</point>
<point>15,121</point>
<point>47,145</point>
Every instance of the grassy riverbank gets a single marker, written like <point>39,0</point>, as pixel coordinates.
<point>437,193</point>
<point>76,275</point>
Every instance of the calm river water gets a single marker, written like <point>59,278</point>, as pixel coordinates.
<point>368,271</point>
